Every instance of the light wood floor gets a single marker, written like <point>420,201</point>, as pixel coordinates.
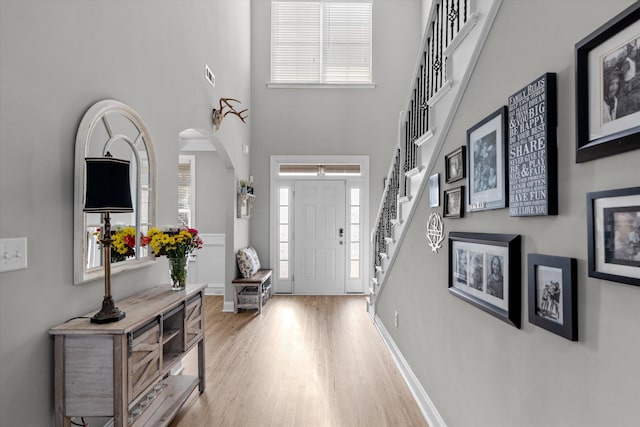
<point>306,361</point>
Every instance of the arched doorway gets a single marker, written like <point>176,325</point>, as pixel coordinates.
<point>212,208</point>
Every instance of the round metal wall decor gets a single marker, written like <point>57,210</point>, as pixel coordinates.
<point>435,234</point>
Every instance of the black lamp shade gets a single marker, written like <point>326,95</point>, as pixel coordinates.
<point>108,187</point>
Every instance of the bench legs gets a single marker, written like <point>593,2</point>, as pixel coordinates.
<point>236,298</point>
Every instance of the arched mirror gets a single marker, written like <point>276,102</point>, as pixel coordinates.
<point>112,127</point>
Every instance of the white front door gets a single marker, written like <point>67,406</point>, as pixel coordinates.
<point>319,238</point>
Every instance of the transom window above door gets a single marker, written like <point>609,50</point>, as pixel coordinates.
<point>313,169</point>
<point>321,43</point>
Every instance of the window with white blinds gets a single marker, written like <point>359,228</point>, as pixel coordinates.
<point>186,190</point>
<point>321,42</point>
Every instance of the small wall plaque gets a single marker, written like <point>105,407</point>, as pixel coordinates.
<point>434,233</point>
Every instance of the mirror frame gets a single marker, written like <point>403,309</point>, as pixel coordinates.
<point>94,116</point>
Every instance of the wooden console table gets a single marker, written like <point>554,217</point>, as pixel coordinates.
<point>122,369</point>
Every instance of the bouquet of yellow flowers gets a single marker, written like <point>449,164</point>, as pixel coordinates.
<point>174,242</point>
<point>124,243</point>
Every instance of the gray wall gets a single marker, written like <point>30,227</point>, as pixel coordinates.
<point>212,180</point>
<point>478,370</point>
<point>332,121</point>
<point>216,186</point>
<point>57,58</point>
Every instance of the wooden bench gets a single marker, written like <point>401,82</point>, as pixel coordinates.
<point>259,284</point>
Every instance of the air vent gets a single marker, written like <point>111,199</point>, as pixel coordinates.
<point>209,75</point>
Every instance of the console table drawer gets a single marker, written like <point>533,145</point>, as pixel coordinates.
<point>144,359</point>
<point>194,320</point>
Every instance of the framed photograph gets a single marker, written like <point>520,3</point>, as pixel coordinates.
<point>454,203</point>
<point>434,190</point>
<point>553,294</point>
<point>613,233</point>
<point>487,162</point>
<point>608,88</point>
<point>454,165</point>
<point>484,270</point>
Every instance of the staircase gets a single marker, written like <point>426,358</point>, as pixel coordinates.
<point>452,42</point>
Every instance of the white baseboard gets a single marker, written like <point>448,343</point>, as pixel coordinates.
<point>214,290</point>
<point>227,307</point>
<point>425,404</point>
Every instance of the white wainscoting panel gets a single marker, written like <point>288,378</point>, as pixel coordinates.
<point>208,264</point>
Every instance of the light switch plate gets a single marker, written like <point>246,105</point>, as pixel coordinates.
<point>13,254</point>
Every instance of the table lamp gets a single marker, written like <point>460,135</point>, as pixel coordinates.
<point>107,190</point>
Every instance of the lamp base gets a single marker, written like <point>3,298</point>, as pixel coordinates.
<point>109,312</point>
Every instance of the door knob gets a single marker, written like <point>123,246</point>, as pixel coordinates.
<point>341,232</point>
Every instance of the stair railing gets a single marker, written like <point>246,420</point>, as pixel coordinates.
<point>446,19</point>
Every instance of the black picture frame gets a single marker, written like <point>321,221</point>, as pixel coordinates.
<point>607,124</point>
<point>455,164</point>
<point>533,164</point>
<point>434,190</point>
<point>487,181</point>
<point>453,203</point>
<point>553,294</point>
<point>484,270</point>
<point>613,235</point>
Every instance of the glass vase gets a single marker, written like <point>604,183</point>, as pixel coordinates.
<point>178,272</point>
